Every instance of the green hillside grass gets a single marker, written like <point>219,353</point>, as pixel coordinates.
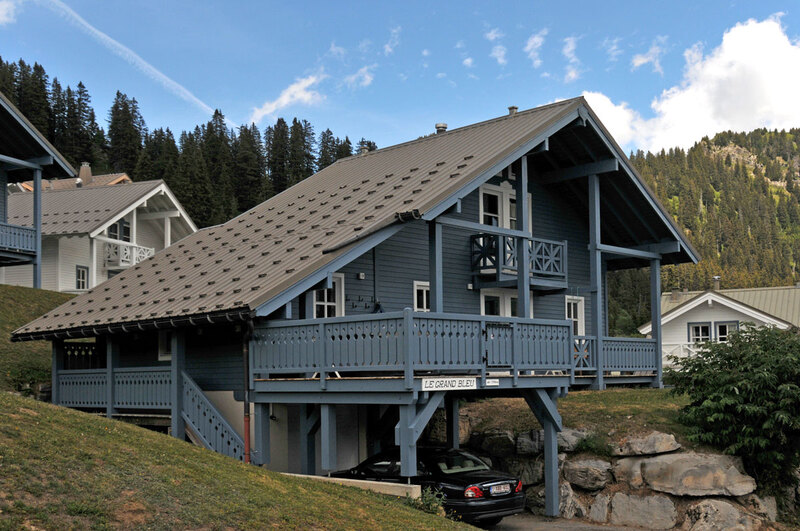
<point>19,306</point>
<point>61,469</point>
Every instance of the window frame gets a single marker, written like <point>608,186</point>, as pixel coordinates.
<point>81,270</point>
<point>581,320</point>
<point>338,303</point>
<point>505,295</point>
<point>425,287</point>
<point>506,192</point>
<point>733,326</point>
<point>699,323</point>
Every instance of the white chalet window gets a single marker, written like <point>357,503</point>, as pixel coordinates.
<point>725,329</point>
<point>575,312</point>
<point>329,302</point>
<point>422,296</point>
<point>500,302</point>
<point>498,205</point>
<point>81,277</point>
<point>699,332</point>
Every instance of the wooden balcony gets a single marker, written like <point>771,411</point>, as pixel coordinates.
<point>18,240</point>
<point>121,255</point>
<point>623,357</point>
<point>494,261</point>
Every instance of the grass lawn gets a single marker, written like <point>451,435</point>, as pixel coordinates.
<point>19,306</point>
<point>61,468</point>
<point>621,412</point>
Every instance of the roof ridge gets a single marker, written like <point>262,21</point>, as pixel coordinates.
<point>104,187</point>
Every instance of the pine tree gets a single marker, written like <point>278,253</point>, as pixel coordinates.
<point>278,162</point>
<point>32,95</point>
<point>193,183</point>
<point>369,144</point>
<point>250,169</point>
<point>327,149</point>
<point>343,148</point>
<point>218,154</point>
<point>296,160</point>
<point>125,132</point>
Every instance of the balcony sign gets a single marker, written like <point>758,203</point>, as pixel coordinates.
<point>448,384</point>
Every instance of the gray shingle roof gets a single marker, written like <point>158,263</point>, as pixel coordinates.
<point>77,210</point>
<point>782,302</point>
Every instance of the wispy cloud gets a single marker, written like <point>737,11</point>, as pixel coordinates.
<point>652,56</point>
<point>337,51</point>
<point>611,46</point>
<point>426,52</point>
<point>394,40</point>
<point>460,45</point>
<point>128,55</point>
<point>499,54</point>
<point>364,45</point>
<point>494,34</point>
<point>572,70</point>
<point>533,45</point>
<point>8,12</point>
<point>298,92</point>
<point>441,75</point>
<point>362,78</point>
<point>468,62</point>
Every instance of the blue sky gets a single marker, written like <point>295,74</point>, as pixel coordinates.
<point>658,73</point>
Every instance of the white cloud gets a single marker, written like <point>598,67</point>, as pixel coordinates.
<point>362,78</point>
<point>533,46</point>
<point>441,75</point>
<point>611,46</point>
<point>8,12</point>
<point>460,44</point>
<point>337,51</point>
<point>468,62</point>
<point>298,92</point>
<point>364,45</point>
<point>740,85</point>
<point>499,54</point>
<point>128,55</point>
<point>572,71</point>
<point>494,34</point>
<point>426,52</point>
<point>652,56</point>
<point>394,40</point>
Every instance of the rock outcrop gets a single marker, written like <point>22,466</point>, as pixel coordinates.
<point>651,444</point>
<point>569,506</point>
<point>692,474</point>
<point>713,515</point>
<point>650,512</point>
<point>588,474</point>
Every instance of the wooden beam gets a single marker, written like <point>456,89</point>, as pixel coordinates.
<point>12,163</point>
<point>581,170</point>
<point>261,446</point>
<point>655,316</point>
<point>596,279</point>
<point>435,272</point>
<point>480,227</point>
<point>37,225</point>
<point>328,436</point>
<point>160,215</point>
<point>177,364</point>
<point>523,262</point>
<point>628,252</point>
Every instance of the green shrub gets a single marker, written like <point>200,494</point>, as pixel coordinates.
<point>595,444</point>
<point>25,373</point>
<point>745,400</point>
<point>431,501</point>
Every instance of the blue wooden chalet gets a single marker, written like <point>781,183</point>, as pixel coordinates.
<point>24,154</point>
<point>346,310</point>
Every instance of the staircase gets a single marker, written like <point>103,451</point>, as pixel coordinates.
<point>205,425</point>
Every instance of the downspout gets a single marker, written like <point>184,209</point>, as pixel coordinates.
<point>248,333</point>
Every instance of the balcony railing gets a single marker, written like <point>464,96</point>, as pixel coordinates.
<point>497,254</point>
<point>137,388</point>
<point>122,255</point>
<point>620,354</point>
<point>16,238</point>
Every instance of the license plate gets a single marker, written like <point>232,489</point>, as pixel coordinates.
<point>497,490</point>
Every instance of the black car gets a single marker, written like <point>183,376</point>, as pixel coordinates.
<point>471,489</point>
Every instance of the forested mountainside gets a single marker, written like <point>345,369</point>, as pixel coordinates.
<point>738,197</point>
<point>215,171</point>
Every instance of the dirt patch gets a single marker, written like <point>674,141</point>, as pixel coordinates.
<point>28,411</point>
<point>132,513</point>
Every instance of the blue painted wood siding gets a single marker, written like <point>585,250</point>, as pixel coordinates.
<point>3,197</point>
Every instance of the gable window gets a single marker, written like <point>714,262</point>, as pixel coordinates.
<point>165,345</point>
<point>491,213</point>
<point>81,277</point>
<point>575,313</point>
<point>422,296</point>
<point>500,302</point>
<point>329,302</point>
<point>121,230</point>
<point>725,329</point>
<point>498,205</point>
<point>699,332</point>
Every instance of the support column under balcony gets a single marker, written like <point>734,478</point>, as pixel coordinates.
<point>655,317</point>
<point>37,225</point>
<point>261,443</point>
<point>435,274</point>
<point>309,424</point>
<point>523,257</point>
<point>58,365</point>
<point>177,363</point>
<point>542,403</point>
<point>112,361</point>
<point>596,280</point>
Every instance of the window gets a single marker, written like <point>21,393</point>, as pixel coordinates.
<point>422,296</point>
<point>498,206</point>
<point>81,277</point>
<point>120,230</point>
<point>501,302</point>
<point>575,313</point>
<point>329,302</point>
<point>724,330</point>
<point>165,345</point>
<point>699,332</point>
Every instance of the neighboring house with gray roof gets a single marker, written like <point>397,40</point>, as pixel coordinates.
<point>690,318</point>
<point>90,234</point>
<point>345,310</point>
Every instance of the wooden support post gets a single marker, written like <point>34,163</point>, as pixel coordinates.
<point>309,423</point>
<point>405,440</point>
<point>328,436</point>
<point>409,348</point>
<point>3,197</point>
<point>655,317</point>
<point>287,310</point>
<point>551,486</point>
<point>167,232</point>
<point>178,350</point>
<point>133,227</point>
<point>451,411</point>
<point>596,282</point>
<point>58,365</point>
<point>435,275</point>
<point>261,448</point>
<point>112,361</point>
<point>523,257</point>
<point>91,282</point>
<point>308,304</point>
<point>37,225</point>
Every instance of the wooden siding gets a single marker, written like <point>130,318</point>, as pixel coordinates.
<point>22,275</point>
<point>73,251</point>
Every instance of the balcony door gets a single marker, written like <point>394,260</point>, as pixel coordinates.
<point>329,302</point>
<point>498,206</point>
<point>500,302</point>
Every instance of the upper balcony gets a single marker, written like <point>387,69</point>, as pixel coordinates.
<point>121,255</point>
<point>494,260</point>
<point>17,244</point>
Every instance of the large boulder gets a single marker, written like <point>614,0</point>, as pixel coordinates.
<point>529,471</point>
<point>650,512</point>
<point>530,443</point>
<point>766,507</point>
<point>569,439</point>
<point>693,474</point>
<point>598,512</point>
<point>588,474</point>
<point>497,443</point>
<point>569,506</point>
<point>629,470</point>
<point>653,443</point>
<point>712,515</point>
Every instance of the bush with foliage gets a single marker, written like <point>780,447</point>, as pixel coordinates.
<point>24,374</point>
<point>431,501</point>
<point>745,400</point>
